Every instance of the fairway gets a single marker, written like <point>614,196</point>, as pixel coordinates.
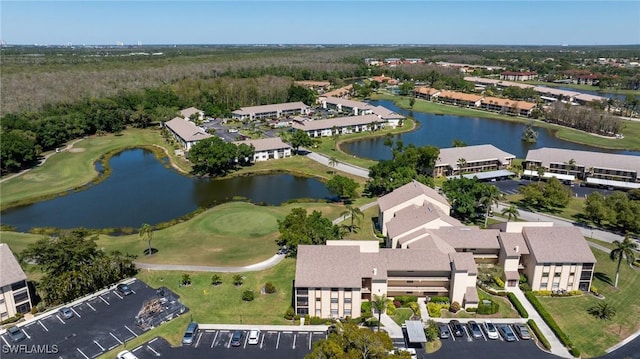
<point>241,221</point>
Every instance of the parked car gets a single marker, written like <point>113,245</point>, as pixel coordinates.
<point>254,335</point>
<point>456,328</point>
<point>190,333</point>
<point>236,338</point>
<point>16,334</point>
<point>125,354</point>
<point>474,329</point>
<point>124,289</point>
<point>491,330</point>
<point>522,330</point>
<point>445,333</point>
<point>507,333</point>
<point>66,313</point>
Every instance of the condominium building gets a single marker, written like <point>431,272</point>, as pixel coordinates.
<point>338,125</point>
<point>271,111</point>
<point>268,148</point>
<point>518,76</point>
<point>471,159</point>
<point>187,113</point>
<point>185,132</point>
<point>14,292</point>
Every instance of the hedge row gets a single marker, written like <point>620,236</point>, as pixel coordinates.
<point>543,340</point>
<point>438,299</point>
<point>516,303</point>
<point>404,299</point>
<point>564,339</point>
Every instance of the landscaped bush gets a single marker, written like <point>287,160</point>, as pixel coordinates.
<point>397,304</point>
<point>248,295</point>
<point>404,299</point>
<point>454,307</point>
<point>435,309</point>
<point>542,293</point>
<point>471,309</point>
<point>315,320</point>
<point>365,310</point>
<point>372,322</point>
<point>237,280</point>
<point>391,308</point>
<point>516,303</point>
<point>269,288</point>
<point>13,319</point>
<point>575,292</point>
<point>543,340</point>
<point>289,314</point>
<point>594,290</point>
<point>186,279</point>
<point>523,279</point>
<point>414,307</point>
<point>525,287</point>
<point>439,299</point>
<point>498,281</point>
<point>488,308</point>
<point>564,339</point>
<point>216,280</point>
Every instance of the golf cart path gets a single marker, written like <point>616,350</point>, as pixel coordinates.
<point>277,258</point>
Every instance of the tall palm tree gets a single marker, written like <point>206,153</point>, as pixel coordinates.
<point>624,249</point>
<point>379,304</point>
<point>356,216</point>
<point>511,212</point>
<point>146,233</point>
<point>333,162</point>
<point>461,164</point>
<point>488,200</point>
<point>541,172</point>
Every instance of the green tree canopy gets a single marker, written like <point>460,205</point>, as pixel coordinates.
<point>299,139</point>
<point>299,228</point>
<point>300,93</point>
<point>470,199</point>
<point>215,157</point>
<point>353,342</point>
<point>343,187</point>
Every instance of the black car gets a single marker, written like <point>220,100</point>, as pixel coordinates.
<point>475,330</point>
<point>456,328</point>
<point>124,289</point>
<point>16,334</point>
<point>236,338</point>
<point>445,333</point>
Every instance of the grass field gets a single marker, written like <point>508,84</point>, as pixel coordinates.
<point>402,315</point>
<point>585,87</point>
<point>366,226</point>
<point>505,309</point>
<point>592,336</point>
<point>232,234</point>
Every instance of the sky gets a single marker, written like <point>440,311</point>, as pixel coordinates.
<point>515,22</point>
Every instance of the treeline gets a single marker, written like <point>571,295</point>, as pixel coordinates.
<point>25,135</point>
<point>619,211</point>
<point>584,119</point>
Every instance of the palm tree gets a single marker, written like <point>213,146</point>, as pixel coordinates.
<point>146,232</point>
<point>237,280</point>
<point>541,172</point>
<point>356,216</point>
<point>379,304</point>
<point>624,249</point>
<point>488,200</point>
<point>333,162</point>
<point>602,310</point>
<point>511,212</point>
<point>461,164</point>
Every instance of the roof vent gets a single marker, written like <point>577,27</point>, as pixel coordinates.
<point>375,271</point>
<point>517,249</point>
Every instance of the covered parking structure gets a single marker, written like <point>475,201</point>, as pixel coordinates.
<point>415,332</point>
<point>561,177</point>
<point>487,176</point>
<point>611,183</point>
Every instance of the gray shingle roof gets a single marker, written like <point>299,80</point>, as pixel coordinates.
<point>463,262</point>
<point>328,266</point>
<point>186,130</point>
<point>407,192</point>
<point>265,144</point>
<point>512,240</point>
<point>558,245</point>
<point>413,217</point>
<point>450,156</point>
<point>587,159</point>
<point>10,270</point>
<point>468,237</point>
<point>187,112</point>
<point>289,106</point>
<point>337,122</point>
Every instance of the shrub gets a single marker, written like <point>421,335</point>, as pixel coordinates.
<point>237,280</point>
<point>498,281</point>
<point>414,307</point>
<point>575,292</point>
<point>439,299</point>
<point>516,304</point>
<point>397,303</point>
<point>594,290</point>
<point>391,308</point>
<point>564,339</point>
<point>543,340</point>
<point>523,279</point>
<point>525,287</point>
<point>269,288</point>
<point>365,310</point>
<point>13,319</point>
<point>472,309</point>
<point>542,293</point>
<point>435,308</point>
<point>289,314</point>
<point>488,308</point>
<point>315,321</point>
<point>34,310</point>
<point>216,279</point>
<point>248,295</point>
<point>404,299</point>
<point>454,307</point>
<point>186,279</point>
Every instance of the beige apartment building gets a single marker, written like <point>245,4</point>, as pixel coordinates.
<point>14,292</point>
<point>471,159</point>
<point>271,111</point>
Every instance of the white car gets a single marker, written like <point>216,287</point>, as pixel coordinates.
<point>491,330</point>
<point>125,354</point>
<point>254,335</point>
<point>411,352</point>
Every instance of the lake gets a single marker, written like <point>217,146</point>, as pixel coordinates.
<point>441,130</point>
<point>143,189</point>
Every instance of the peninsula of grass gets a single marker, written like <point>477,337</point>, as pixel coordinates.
<point>590,335</point>
<point>630,129</point>
<point>222,303</point>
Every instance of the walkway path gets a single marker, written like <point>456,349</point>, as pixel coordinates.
<point>557,347</point>
<point>42,161</point>
<point>341,166</point>
<point>362,208</point>
<point>390,326</point>
<point>250,268</point>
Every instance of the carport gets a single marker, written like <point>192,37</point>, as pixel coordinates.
<point>485,176</point>
<point>611,183</point>
<point>415,331</point>
<point>561,177</point>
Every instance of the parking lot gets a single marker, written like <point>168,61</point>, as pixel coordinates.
<point>511,187</point>
<point>98,325</point>
<point>217,344</point>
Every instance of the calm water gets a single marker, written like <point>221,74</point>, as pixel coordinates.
<point>141,189</point>
<point>441,130</point>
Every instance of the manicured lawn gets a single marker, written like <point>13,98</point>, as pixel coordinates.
<point>366,226</point>
<point>71,169</point>
<point>232,234</point>
<point>402,315</point>
<point>505,309</point>
<point>585,87</point>
<point>592,336</point>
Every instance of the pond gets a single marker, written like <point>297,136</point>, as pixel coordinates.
<point>441,130</point>
<point>142,189</point>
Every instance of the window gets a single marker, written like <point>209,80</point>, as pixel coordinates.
<point>556,274</point>
<point>318,313</point>
<point>18,285</point>
<point>543,285</point>
<point>347,300</point>
<point>318,299</point>
<point>334,300</point>
<point>545,275</point>
<point>4,315</point>
<point>555,286</point>
<point>20,297</point>
<point>334,312</point>
<point>347,312</point>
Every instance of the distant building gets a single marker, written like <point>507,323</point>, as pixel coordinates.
<point>339,125</point>
<point>507,106</point>
<point>426,93</point>
<point>271,111</point>
<point>14,292</point>
<point>268,148</point>
<point>458,98</point>
<point>185,132</point>
<point>518,76</point>
<point>188,112</point>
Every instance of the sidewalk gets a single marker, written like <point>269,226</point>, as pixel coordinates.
<point>250,268</point>
<point>390,326</point>
<point>557,348</point>
<point>340,166</point>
